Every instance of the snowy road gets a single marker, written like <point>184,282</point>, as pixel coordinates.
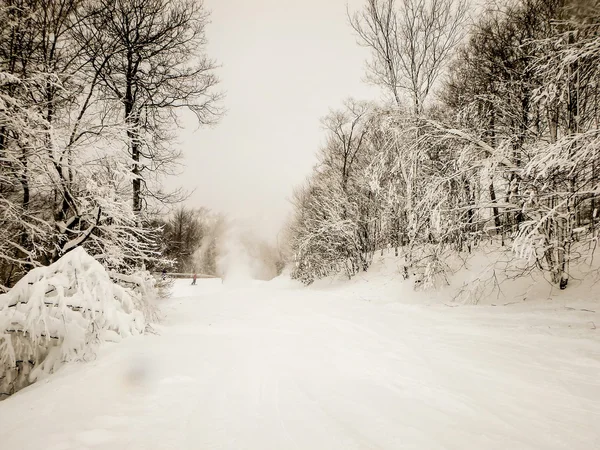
<point>266,367</point>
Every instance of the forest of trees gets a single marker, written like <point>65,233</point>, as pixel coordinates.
<point>491,133</point>
<point>90,98</point>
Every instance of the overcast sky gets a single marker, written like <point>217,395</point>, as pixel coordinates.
<point>285,63</point>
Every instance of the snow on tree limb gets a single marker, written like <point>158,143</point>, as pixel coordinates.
<point>61,313</point>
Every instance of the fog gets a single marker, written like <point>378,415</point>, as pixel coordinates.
<point>283,65</point>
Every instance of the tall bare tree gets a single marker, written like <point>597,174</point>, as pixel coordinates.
<point>410,42</point>
<point>151,61</point>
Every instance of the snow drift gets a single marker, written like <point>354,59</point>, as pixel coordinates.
<point>62,313</point>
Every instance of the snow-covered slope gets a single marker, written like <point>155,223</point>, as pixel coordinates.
<point>335,366</point>
<point>491,276</point>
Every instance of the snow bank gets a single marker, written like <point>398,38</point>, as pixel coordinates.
<point>61,313</point>
<point>490,275</point>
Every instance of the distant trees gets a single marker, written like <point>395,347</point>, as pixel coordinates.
<point>186,233</point>
<point>205,256</point>
<point>508,149</point>
<point>335,215</point>
<point>88,94</point>
<point>181,236</point>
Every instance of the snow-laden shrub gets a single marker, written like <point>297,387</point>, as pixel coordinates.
<point>165,287</point>
<point>145,291</point>
<point>61,313</point>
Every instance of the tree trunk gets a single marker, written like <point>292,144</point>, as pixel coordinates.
<point>495,211</point>
<point>132,121</point>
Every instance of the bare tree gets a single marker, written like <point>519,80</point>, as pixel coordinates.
<point>151,61</point>
<point>410,41</point>
<point>347,132</point>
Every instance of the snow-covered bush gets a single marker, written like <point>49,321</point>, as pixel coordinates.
<point>430,267</point>
<point>164,287</point>
<point>61,313</point>
<point>144,291</point>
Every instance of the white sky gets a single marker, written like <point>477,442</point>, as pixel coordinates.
<point>285,63</point>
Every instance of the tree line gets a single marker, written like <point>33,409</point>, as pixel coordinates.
<point>490,132</point>
<point>91,92</point>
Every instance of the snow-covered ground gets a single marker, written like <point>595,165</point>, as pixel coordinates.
<point>271,365</point>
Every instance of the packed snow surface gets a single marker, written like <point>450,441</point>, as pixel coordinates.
<point>277,366</point>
